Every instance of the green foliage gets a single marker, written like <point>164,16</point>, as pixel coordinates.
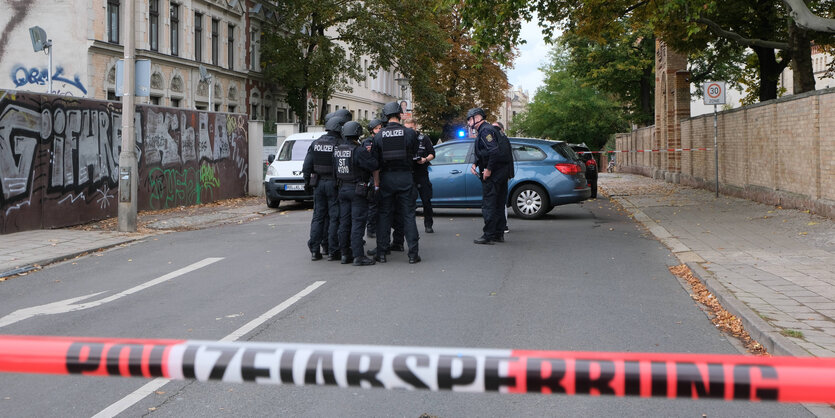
<point>566,109</point>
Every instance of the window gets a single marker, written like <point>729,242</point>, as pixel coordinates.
<point>527,153</point>
<point>113,21</point>
<point>175,29</point>
<point>267,114</point>
<point>111,95</point>
<point>231,108</point>
<point>153,23</point>
<point>230,46</point>
<point>175,102</point>
<point>155,100</point>
<point>452,154</point>
<point>217,107</point>
<point>215,25</point>
<point>198,37</point>
<point>254,115</point>
<point>254,64</point>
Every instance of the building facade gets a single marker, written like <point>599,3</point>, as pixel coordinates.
<point>516,102</point>
<point>178,37</point>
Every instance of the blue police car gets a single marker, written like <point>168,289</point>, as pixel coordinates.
<point>548,173</point>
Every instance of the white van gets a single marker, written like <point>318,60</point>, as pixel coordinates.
<point>284,180</point>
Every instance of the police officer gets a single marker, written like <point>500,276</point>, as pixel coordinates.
<point>493,157</point>
<point>426,152</point>
<point>374,126</point>
<point>395,148</point>
<point>319,174</point>
<point>511,171</point>
<point>353,164</point>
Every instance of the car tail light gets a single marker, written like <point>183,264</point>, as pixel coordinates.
<point>570,169</point>
<point>591,162</point>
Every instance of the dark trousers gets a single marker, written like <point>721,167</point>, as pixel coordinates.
<point>372,213</point>
<point>353,210</point>
<point>325,205</point>
<point>494,198</point>
<point>424,189</point>
<point>397,190</point>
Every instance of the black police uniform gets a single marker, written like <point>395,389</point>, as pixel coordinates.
<point>319,162</point>
<point>394,147</point>
<point>373,215</point>
<point>353,165</point>
<point>421,176</point>
<point>504,143</point>
<point>494,153</point>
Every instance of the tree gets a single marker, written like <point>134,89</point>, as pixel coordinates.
<point>566,109</point>
<point>446,84</point>
<point>620,64</point>
<point>311,48</point>
<point>689,26</point>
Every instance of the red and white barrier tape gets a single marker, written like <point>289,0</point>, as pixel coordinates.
<point>645,150</point>
<point>689,376</point>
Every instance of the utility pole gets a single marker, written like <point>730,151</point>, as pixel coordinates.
<point>128,170</point>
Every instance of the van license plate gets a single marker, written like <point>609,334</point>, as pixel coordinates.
<point>294,187</point>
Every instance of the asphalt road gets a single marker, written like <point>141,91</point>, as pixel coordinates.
<point>584,278</point>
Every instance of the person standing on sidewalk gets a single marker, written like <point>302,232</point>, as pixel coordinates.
<point>493,156</point>
<point>426,152</point>
<point>374,126</point>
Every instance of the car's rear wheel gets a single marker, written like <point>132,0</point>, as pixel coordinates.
<point>273,203</point>
<point>530,201</point>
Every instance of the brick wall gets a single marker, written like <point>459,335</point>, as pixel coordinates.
<point>780,152</point>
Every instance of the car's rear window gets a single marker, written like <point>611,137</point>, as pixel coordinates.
<point>294,150</point>
<point>527,153</point>
<point>563,149</point>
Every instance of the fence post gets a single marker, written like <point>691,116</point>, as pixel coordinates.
<point>256,158</point>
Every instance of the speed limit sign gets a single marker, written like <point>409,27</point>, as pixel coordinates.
<point>714,92</point>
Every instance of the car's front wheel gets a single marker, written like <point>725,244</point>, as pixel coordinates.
<point>273,203</point>
<point>530,201</point>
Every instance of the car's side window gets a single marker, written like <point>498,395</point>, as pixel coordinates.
<point>527,153</point>
<point>452,154</point>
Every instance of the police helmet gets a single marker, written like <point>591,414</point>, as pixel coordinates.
<point>476,111</point>
<point>334,124</point>
<point>344,113</point>
<point>351,129</point>
<point>392,109</point>
<point>328,117</point>
<point>373,123</point>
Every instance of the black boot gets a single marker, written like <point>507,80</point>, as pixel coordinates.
<point>334,256</point>
<point>363,261</point>
<point>315,256</point>
<point>346,259</point>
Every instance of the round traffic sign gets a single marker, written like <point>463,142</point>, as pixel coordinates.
<point>714,90</point>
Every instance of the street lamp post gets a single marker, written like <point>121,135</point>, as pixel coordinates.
<point>128,170</point>
<point>40,43</point>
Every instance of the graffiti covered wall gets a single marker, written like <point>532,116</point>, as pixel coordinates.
<point>59,159</point>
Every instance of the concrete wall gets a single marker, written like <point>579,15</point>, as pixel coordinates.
<point>59,159</point>
<point>65,23</point>
<point>780,152</point>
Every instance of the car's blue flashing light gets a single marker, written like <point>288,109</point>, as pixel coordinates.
<point>462,133</point>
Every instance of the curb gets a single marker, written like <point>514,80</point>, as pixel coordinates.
<point>57,259</point>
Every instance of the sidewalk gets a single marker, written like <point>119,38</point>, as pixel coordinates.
<point>773,268</point>
<point>25,251</point>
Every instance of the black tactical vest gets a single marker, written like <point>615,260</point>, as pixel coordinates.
<point>323,155</point>
<point>394,148</point>
<point>344,163</point>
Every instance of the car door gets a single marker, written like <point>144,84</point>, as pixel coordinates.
<point>448,173</point>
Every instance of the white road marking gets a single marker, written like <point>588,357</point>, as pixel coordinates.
<point>152,386</point>
<point>68,305</point>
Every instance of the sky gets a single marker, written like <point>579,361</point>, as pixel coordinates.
<point>525,72</point>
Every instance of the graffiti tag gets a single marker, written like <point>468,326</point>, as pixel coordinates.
<point>22,76</point>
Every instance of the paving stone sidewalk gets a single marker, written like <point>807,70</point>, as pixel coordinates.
<point>779,263</point>
<point>24,251</point>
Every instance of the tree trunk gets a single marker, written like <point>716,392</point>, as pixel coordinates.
<point>324,110</point>
<point>803,74</point>
<point>769,70</point>
<point>303,116</point>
